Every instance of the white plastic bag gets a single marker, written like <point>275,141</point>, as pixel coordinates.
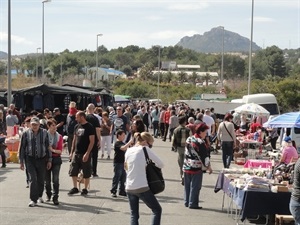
<point>7,153</point>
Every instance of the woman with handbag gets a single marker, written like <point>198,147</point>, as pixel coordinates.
<point>226,135</point>
<point>196,162</point>
<point>136,181</point>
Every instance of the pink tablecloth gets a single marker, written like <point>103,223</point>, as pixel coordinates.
<point>253,163</point>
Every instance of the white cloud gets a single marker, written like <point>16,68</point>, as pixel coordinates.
<point>154,18</point>
<point>171,34</point>
<point>262,19</point>
<point>15,38</point>
<point>188,6</point>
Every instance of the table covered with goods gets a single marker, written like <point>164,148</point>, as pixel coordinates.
<point>254,192</point>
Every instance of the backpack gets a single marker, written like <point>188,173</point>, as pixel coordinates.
<point>71,124</point>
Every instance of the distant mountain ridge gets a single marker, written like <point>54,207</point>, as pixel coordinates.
<point>211,42</point>
<point>3,55</point>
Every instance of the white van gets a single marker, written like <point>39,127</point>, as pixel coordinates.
<point>266,100</point>
<point>293,133</point>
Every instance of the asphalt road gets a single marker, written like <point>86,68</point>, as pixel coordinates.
<point>100,208</point>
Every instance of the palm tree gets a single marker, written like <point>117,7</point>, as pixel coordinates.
<point>182,76</point>
<point>207,78</point>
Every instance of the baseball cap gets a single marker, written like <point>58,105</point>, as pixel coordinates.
<point>287,139</point>
<point>56,110</point>
<point>34,120</point>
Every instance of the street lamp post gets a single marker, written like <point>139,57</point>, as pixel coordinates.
<point>61,75</point>
<point>37,63</point>
<point>222,63</point>
<point>9,91</point>
<point>158,64</point>
<point>250,51</point>
<point>98,35</point>
<point>43,39</point>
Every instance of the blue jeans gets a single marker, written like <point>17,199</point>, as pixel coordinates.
<point>192,187</point>
<point>119,178</point>
<point>54,171</point>
<point>295,210</point>
<point>227,153</point>
<point>155,128</point>
<point>150,200</point>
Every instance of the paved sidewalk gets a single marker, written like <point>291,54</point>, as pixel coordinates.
<point>100,208</point>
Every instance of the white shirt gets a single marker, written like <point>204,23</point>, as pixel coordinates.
<point>135,163</point>
<point>209,121</point>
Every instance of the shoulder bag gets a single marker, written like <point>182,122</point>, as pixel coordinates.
<point>154,175</point>
<point>236,148</point>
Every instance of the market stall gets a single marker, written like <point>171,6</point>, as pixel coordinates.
<point>250,138</point>
<point>252,193</point>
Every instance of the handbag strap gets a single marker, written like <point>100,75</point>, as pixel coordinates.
<point>228,131</point>
<point>148,160</point>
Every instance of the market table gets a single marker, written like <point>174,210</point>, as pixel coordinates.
<point>253,203</point>
<point>252,152</point>
<point>254,163</point>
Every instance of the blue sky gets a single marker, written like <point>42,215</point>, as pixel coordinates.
<point>74,24</point>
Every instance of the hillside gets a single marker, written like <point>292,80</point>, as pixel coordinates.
<point>3,55</point>
<point>211,42</point>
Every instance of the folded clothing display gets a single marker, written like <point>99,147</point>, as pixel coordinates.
<point>257,184</point>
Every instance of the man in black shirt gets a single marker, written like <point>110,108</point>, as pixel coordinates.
<point>83,143</point>
<point>60,120</point>
<point>92,119</point>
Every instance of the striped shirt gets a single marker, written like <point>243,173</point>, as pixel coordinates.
<point>35,146</point>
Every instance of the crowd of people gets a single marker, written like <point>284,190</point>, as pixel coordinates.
<point>126,129</point>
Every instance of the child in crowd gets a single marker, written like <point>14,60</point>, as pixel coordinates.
<point>119,172</point>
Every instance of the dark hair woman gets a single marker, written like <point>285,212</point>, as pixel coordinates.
<point>196,158</point>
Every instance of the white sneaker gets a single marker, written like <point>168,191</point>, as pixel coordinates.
<point>40,200</point>
<point>32,204</point>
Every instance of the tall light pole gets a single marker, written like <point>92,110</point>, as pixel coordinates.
<point>61,64</point>
<point>9,56</point>
<point>222,63</point>
<point>98,35</point>
<point>37,63</point>
<point>43,39</point>
<point>158,64</point>
<point>250,50</point>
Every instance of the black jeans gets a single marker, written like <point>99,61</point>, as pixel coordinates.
<point>227,152</point>
<point>94,160</point>
<point>162,129</point>
<point>36,170</point>
<point>3,158</point>
<point>54,171</point>
<point>155,128</point>
<point>70,140</point>
<point>166,131</point>
<point>273,142</point>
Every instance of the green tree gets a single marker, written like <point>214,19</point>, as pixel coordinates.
<point>182,76</point>
<point>194,77</point>
<point>127,70</point>
<point>145,72</point>
<point>207,78</point>
<point>2,68</point>
<point>167,77</point>
<point>275,60</point>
